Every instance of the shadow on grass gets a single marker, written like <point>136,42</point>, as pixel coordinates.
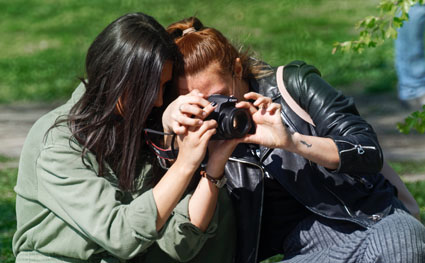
<point>7,229</point>
<point>417,190</point>
<point>8,216</point>
<point>382,85</point>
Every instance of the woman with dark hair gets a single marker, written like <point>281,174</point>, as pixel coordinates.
<point>306,188</point>
<point>89,189</point>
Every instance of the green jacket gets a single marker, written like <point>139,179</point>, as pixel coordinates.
<point>66,213</point>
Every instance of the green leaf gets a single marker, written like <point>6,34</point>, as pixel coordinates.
<point>372,44</point>
<point>386,6</point>
<point>404,16</point>
<point>416,121</point>
<point>371,23</point>
<point>367,22</point>
<point>391,32</point>
<point>397,22</point>
<point>405,6</point>
<point>364,33</point>
<point>403,128</point>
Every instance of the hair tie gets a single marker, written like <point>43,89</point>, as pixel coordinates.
<point>188,30</point>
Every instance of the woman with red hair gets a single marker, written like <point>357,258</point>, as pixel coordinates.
<point>310,190</point>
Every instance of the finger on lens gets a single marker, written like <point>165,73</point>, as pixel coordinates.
<point>246,105</point>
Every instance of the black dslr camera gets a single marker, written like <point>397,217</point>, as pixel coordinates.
<point>232,122</point>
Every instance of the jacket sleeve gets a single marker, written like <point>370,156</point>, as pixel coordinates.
<point>74,193</point>
<point>182,240</point>
<point>87,203</point>
<point>336,117</point>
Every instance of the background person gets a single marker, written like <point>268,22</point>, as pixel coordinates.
<point>323,198</point>
<point>410,59</point>
<point>89,188</point>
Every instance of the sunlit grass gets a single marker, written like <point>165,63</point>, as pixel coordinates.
<point>8,218</point>
<point>44,42</point>
<point>43,45</point>
<point>408,167</point>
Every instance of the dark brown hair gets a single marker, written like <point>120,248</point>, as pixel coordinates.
<point>125,62</point>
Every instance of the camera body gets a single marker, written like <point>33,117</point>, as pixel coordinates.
<point>232,122</point>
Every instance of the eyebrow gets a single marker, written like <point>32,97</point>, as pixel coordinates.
<point>219,91</point>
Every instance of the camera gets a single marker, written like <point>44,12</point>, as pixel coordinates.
<point>232,122</point>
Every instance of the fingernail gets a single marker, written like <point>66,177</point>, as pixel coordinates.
<point>213,103</point>
<point>204,114</point>
<point>200,122</point>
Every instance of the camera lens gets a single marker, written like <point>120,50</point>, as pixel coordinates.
<point>240,122</point>
<point>234,122</point>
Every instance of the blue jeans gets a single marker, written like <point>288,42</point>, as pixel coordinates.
<point>409,55</point>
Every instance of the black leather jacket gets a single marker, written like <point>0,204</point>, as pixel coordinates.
<point>355,192</point>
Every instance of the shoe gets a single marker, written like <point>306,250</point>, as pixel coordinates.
<point>415,104</point>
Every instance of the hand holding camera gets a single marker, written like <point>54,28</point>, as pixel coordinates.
<point>186,111</point>
<point>270,131</point>
<point>258,122</point>
<point>232,122</point>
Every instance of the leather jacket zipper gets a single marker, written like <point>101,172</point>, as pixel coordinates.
<point>363,181</point>
<point>266,154</point>
<point>340,200</point>
<point>356,178</point>
<point>288,121</point>
<point>262,198</point>
<point>360,148</point>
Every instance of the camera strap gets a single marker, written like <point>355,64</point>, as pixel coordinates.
<point>289,100</point>
<point>168,154</point>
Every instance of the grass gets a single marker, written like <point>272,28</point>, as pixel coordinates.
<point>8,218</point>
<point>408,167</point>
<point>7,214</point>
<point>44,42</point>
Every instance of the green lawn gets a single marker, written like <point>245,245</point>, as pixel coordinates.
<point>43,45</point>
<point>8,218</point>
<point>44,42</point>
<point>7,214</point>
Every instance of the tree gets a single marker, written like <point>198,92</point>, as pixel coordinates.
<point>374,30</point>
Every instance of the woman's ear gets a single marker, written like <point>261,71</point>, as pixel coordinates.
<point>238,68</point>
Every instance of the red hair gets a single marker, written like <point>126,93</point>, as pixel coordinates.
<point>202,46</point>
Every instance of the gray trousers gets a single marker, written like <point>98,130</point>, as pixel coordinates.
<point>398,237</point>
